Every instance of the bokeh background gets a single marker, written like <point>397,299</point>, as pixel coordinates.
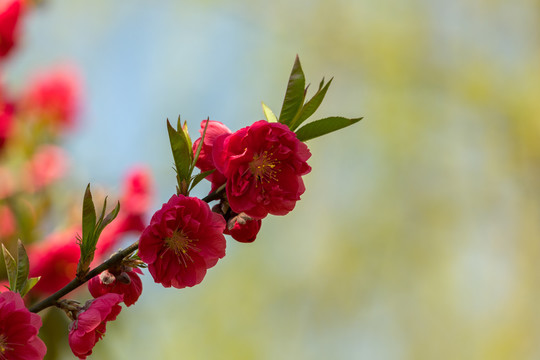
<point>419,234</point>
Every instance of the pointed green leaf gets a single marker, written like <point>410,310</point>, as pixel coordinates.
<point>197,178</point>
<point>294,95</point>
<point>88,218</point>
<point>102,215</point>
<point>323,126</point>
<point>182,154</point>
<point>112,215</point>
<point>186,132</point>
<point>30,283</point>
<point>11,268</point>
<point>311,106</point>
<point>321,84</point>
<point>107,220</point>
<point>89,242</point>
<point>269,114</point>
<point>23,267</point>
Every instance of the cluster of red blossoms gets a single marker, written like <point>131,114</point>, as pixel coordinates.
<point>261,167</point>
<point>254,172</point>
<point>31,163</point>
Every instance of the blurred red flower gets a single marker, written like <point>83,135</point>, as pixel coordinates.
<point>7,110</point>
<point>8,224</point>
<point>47,165</point>
<point>10,15</point>
<point>137,191</point>
<point>54,97</point>
<point>136,198</point>
<point>55,260</point>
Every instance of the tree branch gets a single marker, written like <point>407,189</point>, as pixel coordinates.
<point>115,259</point>
<point>75,283</point>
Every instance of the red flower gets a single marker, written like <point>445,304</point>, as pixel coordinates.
<point>90,323</point>
<point>18,330</point>
<point>8,223</point>
<point>7,110</point>
<point>183,240</point>
<point>54,96</point>
<point>6,122</point>
<point>205,161</point>
<point>134,203</point>
<point>244,231</point>
<point>55,260</point>
<point>264,164</point>
<point>10,13</point>
<point>126,283</point>
<point>48,165</point>
<point>137,191</point>
<point>8,183</point>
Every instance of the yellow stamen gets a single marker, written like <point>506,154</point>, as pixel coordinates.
<point>263,167</point>
<point>181,244</point>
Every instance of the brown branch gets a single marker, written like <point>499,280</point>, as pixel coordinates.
<point>215,195</point>
<point>116,258</point>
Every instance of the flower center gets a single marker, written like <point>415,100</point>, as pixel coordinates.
<point>181,245</point>
<point>263,167</point>
<point>3,346</point>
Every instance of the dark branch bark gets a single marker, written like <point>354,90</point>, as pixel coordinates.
<point>116,258</point>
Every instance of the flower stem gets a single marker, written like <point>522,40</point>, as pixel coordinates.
<point>215,195</point>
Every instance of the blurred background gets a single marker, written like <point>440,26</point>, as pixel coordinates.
<point>419,234</point>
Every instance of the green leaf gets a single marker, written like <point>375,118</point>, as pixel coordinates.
<point>311,106</point>
<point>30,283</point>
<point>186,132</point>
<point>182,153</point>
<point>23,267</point>
<point>87,242</point>
<point>92,230</point>
<point>102,215</point>
<point>88,219</point>
<point>103,222</point>
<point>112,215</point>
<point>269,114</point>
<point>294,95</point>
<point>323,126</point>
<point>198,178</point>
<point>11,268</point>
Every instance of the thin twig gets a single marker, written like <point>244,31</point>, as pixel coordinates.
<point>115,259</point>
<point>75,283</point>
<point>215,195</point>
